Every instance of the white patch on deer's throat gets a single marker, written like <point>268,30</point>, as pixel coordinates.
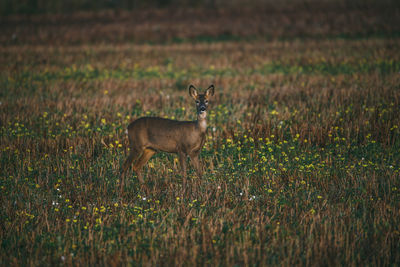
<point>203,125</point>
<point>203,115</point>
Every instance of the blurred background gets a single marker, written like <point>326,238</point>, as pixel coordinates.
<point>160,21</point>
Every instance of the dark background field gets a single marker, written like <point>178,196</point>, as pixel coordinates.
<point>302,157</point>
<point>82,22</point>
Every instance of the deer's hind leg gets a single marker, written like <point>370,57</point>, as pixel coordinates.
<point>147,154</point>
<point>182,161</point>
<point>134,154</point>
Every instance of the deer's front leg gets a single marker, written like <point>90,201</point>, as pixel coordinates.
<point>197,165</point>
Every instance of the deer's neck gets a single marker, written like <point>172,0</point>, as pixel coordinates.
<point>202,124</point>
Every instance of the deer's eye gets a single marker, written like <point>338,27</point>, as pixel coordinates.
<point>206,102</point>
<point>197,102</point>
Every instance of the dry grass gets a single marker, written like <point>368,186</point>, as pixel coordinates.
<point>302,158</point>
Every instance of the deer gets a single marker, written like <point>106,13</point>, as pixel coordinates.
<point>149,135</point>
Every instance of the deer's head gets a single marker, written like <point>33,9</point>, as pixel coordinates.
<point>201,100</point>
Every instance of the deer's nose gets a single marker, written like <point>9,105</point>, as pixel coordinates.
<point>202,109</point>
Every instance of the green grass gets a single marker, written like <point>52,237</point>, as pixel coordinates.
<point>88,72</point>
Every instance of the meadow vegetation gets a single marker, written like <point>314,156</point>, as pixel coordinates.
<point>301,162</point>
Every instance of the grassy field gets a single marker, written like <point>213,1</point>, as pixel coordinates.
<point>302,157</point>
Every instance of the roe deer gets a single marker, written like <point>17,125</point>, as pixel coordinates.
<point>147,135</point>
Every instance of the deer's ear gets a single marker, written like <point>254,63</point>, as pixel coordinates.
<point>210,90</point>
<point>193,91</point>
